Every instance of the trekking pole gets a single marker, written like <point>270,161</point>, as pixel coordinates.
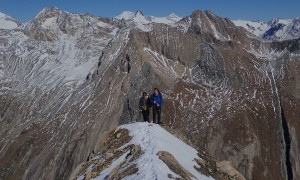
<point>139,116</point>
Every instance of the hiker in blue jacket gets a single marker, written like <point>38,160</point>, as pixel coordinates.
<point>157,102</point>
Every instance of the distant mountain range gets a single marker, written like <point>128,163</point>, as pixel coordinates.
<point>275,29</point>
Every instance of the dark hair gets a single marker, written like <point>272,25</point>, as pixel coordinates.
<point>156,89</point>
<point>144,94</point>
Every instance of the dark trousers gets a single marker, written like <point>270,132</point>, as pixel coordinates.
<point>146,114</point>
<point>156,111</point>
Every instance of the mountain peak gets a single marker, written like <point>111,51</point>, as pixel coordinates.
<point>126,15</point>
<point>196,13</point>
<point>209,12</point>
<point>48,11</point>
<point>139,13</point>
<point>174,17</point>
<point>273,21</point>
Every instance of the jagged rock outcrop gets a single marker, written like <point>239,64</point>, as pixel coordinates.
<point>66,78</point>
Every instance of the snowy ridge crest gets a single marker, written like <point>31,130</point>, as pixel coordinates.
<point>149,152</point>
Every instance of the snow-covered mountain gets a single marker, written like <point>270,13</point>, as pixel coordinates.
<point>76,39</point>
<point>148,151</point>
<point>7,22</point>
<point>145,22</point>
<point>276,29</point>
<point>67,78</point>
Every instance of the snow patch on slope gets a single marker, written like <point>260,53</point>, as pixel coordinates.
<point>50,22</point>
<point>6,22</point>
<point>256,27</point>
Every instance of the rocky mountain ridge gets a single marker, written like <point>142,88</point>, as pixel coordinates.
<point>67,78</point>
<point>147,151</point>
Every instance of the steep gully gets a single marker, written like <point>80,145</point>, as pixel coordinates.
<point>287,145</point>
<point>285,137</point>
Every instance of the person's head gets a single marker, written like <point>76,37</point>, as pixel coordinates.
<point>156,91</point>
<point>145,95</point>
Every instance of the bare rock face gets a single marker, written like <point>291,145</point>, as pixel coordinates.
<point>288,77</point>
<point>173,164</point>
<point>209,66</point>
<point>113,147</point>
<point>218,169</point>
<point>67,78</point>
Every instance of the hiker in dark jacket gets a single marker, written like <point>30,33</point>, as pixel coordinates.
<point>145,104</point>
<point>157,101</point>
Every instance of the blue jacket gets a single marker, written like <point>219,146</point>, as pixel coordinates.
<point>157,99</point>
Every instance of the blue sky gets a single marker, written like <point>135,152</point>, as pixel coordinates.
<point>264,10</point>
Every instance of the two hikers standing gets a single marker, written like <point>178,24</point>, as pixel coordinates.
<point>155,101</point>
